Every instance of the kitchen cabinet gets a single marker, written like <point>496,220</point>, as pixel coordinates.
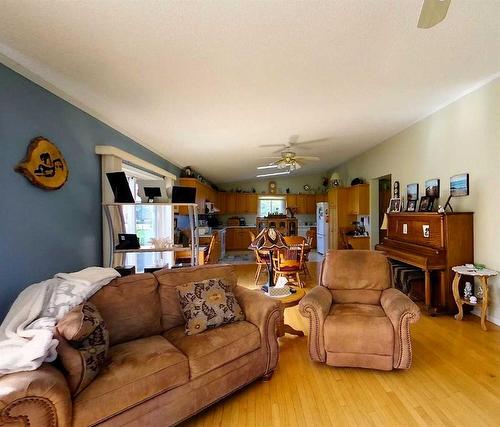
<point>339,215</point>
<point>251,201</point>
<point>359,199</point>
<point>321,197</point>
<point>291,200</point>
<point>231,203</point>
<point>221,202</point>
<point>238,238</point>
<point>301,204</point>
<point>311,204</point>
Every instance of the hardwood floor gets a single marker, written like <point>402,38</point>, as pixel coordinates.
<point>454,381</point>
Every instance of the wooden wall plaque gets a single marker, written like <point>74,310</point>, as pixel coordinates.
<point>44,165</point>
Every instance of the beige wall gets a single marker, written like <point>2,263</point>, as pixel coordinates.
<point>462,137</point>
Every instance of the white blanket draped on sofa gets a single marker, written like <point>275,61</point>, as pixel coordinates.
<point>26,337</point>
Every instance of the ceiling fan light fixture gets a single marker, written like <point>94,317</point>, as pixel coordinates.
<point>273,174</point>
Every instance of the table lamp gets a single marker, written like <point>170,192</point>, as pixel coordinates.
<point>269,239</point>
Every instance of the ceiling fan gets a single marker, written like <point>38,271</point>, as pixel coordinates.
<point>433,12</point>
<point>288,160</point>
<point>293,143</point>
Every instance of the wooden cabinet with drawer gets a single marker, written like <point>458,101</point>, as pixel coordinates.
<point>238,238</point>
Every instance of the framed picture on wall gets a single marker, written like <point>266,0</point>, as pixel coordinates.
<point>412,192</point>
<point>432,188</point>
<point>426,204</point>
<point>459,185</point>
<point>395,205</point>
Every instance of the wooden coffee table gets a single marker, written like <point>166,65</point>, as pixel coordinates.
<point>286,302</point>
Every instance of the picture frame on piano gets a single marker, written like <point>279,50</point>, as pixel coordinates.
<point>395,205</point>
<point>411,205</point>
<point>426,204</point>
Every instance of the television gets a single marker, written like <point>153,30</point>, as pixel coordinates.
<point>183,194</point>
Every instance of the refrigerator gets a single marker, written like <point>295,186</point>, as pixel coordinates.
<point>322,227</point>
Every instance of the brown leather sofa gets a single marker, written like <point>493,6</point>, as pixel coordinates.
<point>157,376</point>
<point>355,318</point>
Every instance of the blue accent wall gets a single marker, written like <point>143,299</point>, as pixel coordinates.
<point>45,232</point>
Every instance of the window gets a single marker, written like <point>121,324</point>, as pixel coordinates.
<point>147,221</point>
<point>271,204</point>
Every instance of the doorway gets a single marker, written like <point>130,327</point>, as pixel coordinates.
<point>384,197</point>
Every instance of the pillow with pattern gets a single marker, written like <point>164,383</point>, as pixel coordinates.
<point>83,345</point>
<point>208,304</point>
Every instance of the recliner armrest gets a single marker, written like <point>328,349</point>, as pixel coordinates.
<point>316,306</point>
<point>401,311</point>
<point>39,398</point>
<point>265,313</point>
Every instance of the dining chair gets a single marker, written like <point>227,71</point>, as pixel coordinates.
<point>296,241</point>
<point>289,263</point>
<point>261,259</point>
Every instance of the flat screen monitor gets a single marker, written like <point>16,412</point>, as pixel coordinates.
<point>119,185</point>
<point>152,189</point>
<point>183,194</point>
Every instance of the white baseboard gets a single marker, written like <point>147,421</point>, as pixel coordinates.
<point>490,318</point>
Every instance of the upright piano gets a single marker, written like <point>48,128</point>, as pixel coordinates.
<point>433,242</point>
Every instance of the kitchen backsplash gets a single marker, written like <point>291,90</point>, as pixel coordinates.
<point>251,219</point>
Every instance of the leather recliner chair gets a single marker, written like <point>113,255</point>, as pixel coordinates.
<point>355,318</point>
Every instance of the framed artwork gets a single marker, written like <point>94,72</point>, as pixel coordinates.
<point>395,205</point>
<point>411,205</point>
<point>412,192</point>
<point>395,190</point>
<point>432,188</point>
<point>459,185</point>
<point>44,165</point>
<point>426,204</point>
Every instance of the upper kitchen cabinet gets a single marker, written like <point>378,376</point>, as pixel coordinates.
<point>311,204</point>
<point>231,203</point>
<point>220,202</point>
<point>251,202</point>
<point>291,200</point>
<point>321,197</point>
<point>304,203</point>
<point>203,193</point>
<point>359,199</point>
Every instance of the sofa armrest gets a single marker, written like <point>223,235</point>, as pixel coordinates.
<point>316,306</point>
<point>265,313</point>
<point>401,311</point>
<point>39,398</point>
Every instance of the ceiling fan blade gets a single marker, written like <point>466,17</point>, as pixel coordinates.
<point>312,141</point>
<point>272,145</point>
<point>270,166</point>
<point>433,12</point>
<point>314,158</point>
<point>271,157</point>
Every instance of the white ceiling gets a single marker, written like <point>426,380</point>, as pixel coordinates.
<point>204,83</point>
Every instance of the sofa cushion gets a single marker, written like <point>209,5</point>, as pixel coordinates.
<point>358,328</point>
<point>83,345</point>
<point>130,306</point>
<point>207,304</point>
<point>137,371</point>
<point>215,347</point>
<point>171,314</point>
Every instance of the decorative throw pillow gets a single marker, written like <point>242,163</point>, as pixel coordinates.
<point>208,304</point>
<point>83,345</point>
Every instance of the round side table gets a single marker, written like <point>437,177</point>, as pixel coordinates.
<point>286,302</point>
<point>483,276</point>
